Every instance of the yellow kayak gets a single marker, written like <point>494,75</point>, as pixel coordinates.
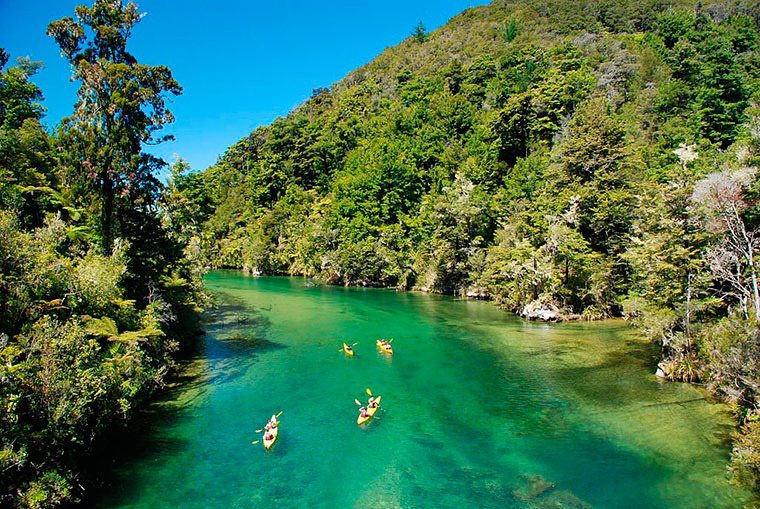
<point>385,348</point>
<point>345,349</point>
<point>370,413</point>
<point>269,443</point>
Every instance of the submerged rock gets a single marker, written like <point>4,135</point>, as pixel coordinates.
<point>537,310</point>
<point>537,491</point>
<point>532,487</point>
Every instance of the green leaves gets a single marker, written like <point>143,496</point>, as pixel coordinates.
<point>419,34</point>
<point>101,327</point>
<point>105,327</point>
<point>509,32</point>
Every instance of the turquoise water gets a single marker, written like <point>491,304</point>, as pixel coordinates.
<point>480,409</point>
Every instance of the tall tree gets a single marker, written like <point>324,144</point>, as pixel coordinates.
<point>26,154</point>
<point>121,104</point>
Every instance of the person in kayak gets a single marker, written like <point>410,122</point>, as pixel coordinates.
<point>268,435</point>
<point>272,423</point>
<point>349,349</point>
<point>363,412</point>
<point>384,342</point>
<point>372,403</point>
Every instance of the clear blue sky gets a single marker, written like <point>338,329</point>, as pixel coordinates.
<point>241,63</point>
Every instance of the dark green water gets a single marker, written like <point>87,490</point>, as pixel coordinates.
<point>480,409</point>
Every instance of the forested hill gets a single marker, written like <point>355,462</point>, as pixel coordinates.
<point>526,150</point>
<point>591,158</point>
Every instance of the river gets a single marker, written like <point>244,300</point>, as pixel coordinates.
<point>479,409</point>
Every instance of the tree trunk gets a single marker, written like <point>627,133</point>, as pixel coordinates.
<point>106,217</point>
<point>754,283</point>
<point>687,320</point>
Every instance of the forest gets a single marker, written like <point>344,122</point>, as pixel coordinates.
<point>96,294</point>
<point>580,159</point>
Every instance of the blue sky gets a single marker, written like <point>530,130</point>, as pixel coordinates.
<point>241,63</point>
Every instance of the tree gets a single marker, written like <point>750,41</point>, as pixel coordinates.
<point>420,32</point>
<point>18,96</point>
<point>670,283</point>
<point>509,32</point>
<point>723,199</point>
<point>26,154</point>
<point>121,104</point>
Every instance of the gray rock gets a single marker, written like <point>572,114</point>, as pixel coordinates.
<point>477,293</point>
<point>546,312</point>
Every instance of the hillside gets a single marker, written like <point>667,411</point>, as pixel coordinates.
<point>541,123</point>
<point>585,159</point>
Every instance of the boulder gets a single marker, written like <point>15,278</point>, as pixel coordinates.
<point>477,293</point>
<point>251,271</point>
<point>537,310</point>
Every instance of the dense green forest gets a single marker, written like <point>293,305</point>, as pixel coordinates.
<point>95,291</point>
<point>566,159</point>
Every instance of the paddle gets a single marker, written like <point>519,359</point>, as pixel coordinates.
<point>357,402</point>
<point>369,391</point>
<point>255,442</point>
<point>391,341</point>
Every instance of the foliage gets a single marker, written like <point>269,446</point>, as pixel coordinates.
<point>96,292</point>
<point>419,33</point>
<point>511,29</point>
<point>745,455</point>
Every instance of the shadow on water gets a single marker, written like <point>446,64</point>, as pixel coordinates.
<point>234,336</point>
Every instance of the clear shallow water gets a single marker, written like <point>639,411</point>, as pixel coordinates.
<point>480,409</point>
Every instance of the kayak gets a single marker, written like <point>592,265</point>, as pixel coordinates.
<point>345,349</point>
<point>370,413</point>
<point>269,443</point>
<point>385,348</point>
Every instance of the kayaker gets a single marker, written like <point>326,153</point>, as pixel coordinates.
<point>363,412</point>
<point>372,403</point>
<point>272,423</point>
<point>384,342</point>
<point>348,348</point>
<point>268,435</point>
